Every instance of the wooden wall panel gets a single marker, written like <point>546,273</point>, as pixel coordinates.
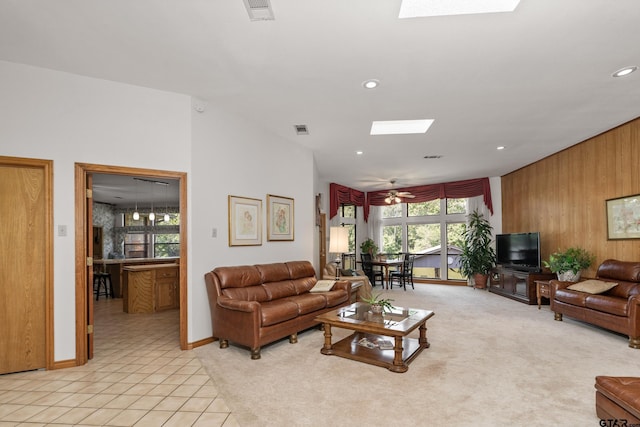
<point>563,196</point>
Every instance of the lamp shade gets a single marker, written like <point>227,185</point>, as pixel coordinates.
<point>338,240</point>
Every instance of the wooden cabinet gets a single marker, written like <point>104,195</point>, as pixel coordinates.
<point>167,290</point>
<point>515,284</point>
<point>151,288</point>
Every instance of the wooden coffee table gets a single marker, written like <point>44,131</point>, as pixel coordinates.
<point>370,331</point>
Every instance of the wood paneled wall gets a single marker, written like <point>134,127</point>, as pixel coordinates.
<point>563,196</point>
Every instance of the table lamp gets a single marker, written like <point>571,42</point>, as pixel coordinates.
<point>338,244</point>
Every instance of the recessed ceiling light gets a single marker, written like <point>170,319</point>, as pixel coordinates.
<point>624,71</point>
<point>423,8</point>
<point>400,127</point>
<point>359,153</point>
<point>500,147</point>
<point>370,84</point>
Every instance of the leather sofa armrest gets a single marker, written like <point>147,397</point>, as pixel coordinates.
<point>343,284</point>
<point>554,285</point>
<point>238,305</point>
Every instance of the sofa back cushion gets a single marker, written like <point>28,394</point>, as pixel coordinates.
<point>625,273</point>
<point>241,282</point>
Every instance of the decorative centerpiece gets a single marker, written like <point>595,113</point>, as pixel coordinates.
<point>568,265</point>
<point>379,305</point>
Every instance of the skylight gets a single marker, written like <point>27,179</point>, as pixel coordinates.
<point>422,8</point>
<point>400,127</point>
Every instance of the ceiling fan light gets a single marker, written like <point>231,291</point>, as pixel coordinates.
<point>397,200</point>
<point>388,200</point>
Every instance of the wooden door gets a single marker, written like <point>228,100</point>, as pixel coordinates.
<point>89,257</point>
<point>25,264</point>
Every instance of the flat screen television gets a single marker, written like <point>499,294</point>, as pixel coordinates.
<point>520,251</point>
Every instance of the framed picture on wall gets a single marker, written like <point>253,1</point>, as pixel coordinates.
<point>623,218</point>
<point>280,218</point>
<point>245,221</point>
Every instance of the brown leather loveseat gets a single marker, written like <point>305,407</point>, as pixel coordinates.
<point>616,309</point>
<point>253,305</point>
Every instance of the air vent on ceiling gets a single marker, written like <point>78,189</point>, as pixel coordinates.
<point>259,10</point>
<point>301,129</point>
<point>433,157</point>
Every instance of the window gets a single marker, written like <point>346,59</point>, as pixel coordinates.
<point>347,214</point>
<point>145,238</point>
<point>431,230</point>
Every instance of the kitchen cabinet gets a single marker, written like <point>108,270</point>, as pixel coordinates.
<point>151,288</point>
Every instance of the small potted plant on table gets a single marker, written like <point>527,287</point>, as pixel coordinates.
<point>378,304</point>
<point>568,265</point>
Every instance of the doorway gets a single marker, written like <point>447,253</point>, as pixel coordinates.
<point>84,249</point>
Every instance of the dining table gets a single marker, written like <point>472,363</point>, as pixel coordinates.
<point>386,264</point>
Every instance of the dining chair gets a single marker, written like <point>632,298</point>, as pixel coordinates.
<point>405,275</point>
<point>371,272</point>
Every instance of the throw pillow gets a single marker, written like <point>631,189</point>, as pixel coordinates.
<point>347,272</point>
<point>592,286</point>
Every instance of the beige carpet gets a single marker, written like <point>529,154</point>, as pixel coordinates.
<point>492,362</point>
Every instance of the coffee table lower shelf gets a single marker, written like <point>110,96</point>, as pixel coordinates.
<point>350,349</point>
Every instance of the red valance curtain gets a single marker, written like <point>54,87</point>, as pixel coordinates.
<point>426,193</point>
<point>340,194</point>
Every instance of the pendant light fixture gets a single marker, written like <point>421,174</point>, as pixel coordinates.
<point>166,205</point>
<point>136,214</point>
<point>152,216</point>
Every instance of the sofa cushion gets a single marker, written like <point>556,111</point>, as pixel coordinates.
<point>571,297</point>
<point>308,303</point>
<point>303,284</point>
<point>251,293</point>
<point>238,277</point>
<point>607,304</point>
<point>300,269</point>
<point>281,289</point>
<point>592,286</point>
<point>626,271</point>
<point>625,391</point>
<point>273,312</point>
<point>335,298</point>
<point>276,272</point>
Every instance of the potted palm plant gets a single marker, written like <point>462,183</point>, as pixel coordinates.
<point>477,256</point>
<point>369,247</point>
<point>568,265</point>
<point>379,304</point>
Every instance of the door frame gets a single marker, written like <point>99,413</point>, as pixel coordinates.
<point>47,168</point>
<point>81,171</point>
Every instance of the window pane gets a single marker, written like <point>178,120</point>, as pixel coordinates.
<point>167,245</point>
<point>352,237</point>
<point>391,239</point>
<point>424,240</point>
<point>424,208</point>
<point>456,206</point>
<point>392,211</point>
<point>348,211</point>
<point>454,239</point>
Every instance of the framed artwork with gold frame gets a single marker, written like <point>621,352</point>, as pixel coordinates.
<point>280,218</point>
<point>245,221</point>
<point>623,215</point>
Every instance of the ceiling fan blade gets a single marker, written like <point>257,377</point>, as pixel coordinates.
<point>408,196</point>
<point>404,194</point>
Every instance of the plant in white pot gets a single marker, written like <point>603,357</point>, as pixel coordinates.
<point>568,265</point>
<point>477,256</point>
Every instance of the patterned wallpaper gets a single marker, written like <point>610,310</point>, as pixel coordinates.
<point>104,216</point>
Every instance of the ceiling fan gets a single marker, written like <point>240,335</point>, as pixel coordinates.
<point>395,196</point>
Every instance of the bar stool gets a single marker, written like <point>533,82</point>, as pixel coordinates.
<point>102,285</point>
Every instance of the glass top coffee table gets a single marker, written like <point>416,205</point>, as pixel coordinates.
<point>380,340</point>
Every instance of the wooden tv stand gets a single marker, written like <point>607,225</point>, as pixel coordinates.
<point>516,284</point>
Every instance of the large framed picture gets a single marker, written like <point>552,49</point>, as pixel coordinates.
<point>280,218</point>
<point>623,218</point>
<point>245,221</point>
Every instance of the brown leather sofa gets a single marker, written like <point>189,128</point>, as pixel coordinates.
<point>618,398</point>
<point>253,305</point>
<point>617,309</point>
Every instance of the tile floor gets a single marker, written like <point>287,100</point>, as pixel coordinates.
<point>138,377</point>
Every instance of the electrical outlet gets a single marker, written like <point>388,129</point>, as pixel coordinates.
<point>62,230</point>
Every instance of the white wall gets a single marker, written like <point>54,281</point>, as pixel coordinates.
<point>233,157</point>
<point>68,118</point>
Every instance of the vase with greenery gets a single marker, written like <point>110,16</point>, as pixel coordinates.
<point>379,304</point>
<point>369,247</point>
<point>568,264</point>
<point>477,256</point>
